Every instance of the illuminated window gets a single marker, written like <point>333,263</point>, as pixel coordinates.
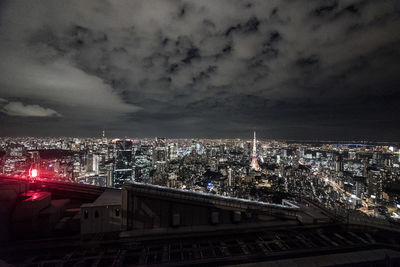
<point>96,214</point>
<point>85,214</point>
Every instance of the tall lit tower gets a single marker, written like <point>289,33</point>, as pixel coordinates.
<point>254,163</point>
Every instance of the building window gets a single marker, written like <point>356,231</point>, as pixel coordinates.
<point>85,214</point>
<point>117,212</point>
<point>96,214</point>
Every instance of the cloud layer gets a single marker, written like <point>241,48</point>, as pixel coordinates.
<point>304,69</point>
<point>19,109</point>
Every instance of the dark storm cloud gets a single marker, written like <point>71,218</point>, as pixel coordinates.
<point>200,68</point>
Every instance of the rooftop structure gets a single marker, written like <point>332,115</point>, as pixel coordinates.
<point>152,225</point>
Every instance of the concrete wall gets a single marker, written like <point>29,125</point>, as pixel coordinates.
<point>9,192</point>
<point>147,213</point>
<point>100,218</point>
<point>141,211</point>
<point>147,209</point>
<point>50,216</point>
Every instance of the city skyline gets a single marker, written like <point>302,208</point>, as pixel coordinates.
<point>261,197</point>
<point>321,70</point>
<point>184,132</point>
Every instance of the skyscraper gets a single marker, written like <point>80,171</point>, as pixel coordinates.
<point>254,163</point>
<point>122,162</point>
<point>339,163</point>
<point>229,176</point>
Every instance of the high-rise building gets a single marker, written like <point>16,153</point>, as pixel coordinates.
<point>109,174</point>
<point>254,163</point>
<point>399,156</point>
<point>93,162</point>
<point>360,186</point>
<point>229,176</point>
<point>122,162</point>
<point>284,153</point>
<point>172,152</point>
<point>339,166</point>
<point>374,182</point>
<point>160,154</point>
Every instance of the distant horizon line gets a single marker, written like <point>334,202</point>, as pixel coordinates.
<point>332,141</point>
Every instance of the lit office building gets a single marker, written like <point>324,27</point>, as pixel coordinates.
<point>122,162</point>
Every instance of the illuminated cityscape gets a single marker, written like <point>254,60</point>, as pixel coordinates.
<point>312,183</point>
<point>352,176</point>
<point>199,133</point>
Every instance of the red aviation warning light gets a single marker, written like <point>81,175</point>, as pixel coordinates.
<point>33,173</point>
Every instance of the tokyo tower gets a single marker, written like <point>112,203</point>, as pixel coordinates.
<point>254,163</point>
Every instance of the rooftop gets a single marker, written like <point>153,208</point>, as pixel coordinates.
<point>109,197</point>
<point>200,196</point>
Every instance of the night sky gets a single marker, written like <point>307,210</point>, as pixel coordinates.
<point>288,69</point>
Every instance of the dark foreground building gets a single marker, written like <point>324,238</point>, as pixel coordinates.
<point>46,223</point>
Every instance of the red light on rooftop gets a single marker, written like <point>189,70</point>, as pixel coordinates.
<point>34,173</point>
